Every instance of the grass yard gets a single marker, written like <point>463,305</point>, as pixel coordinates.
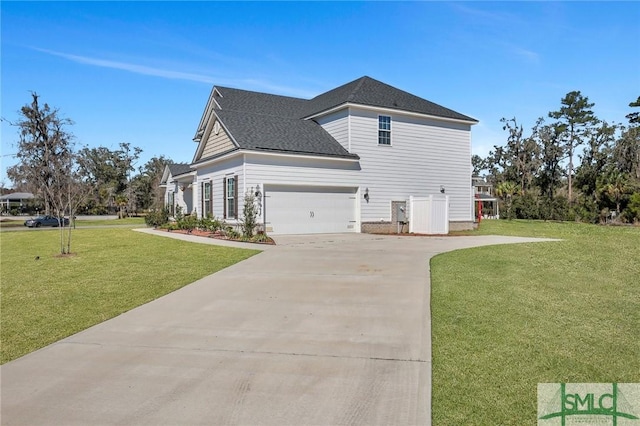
<point>134,221</point>
<point>113,270</point>
<point>505,318</point>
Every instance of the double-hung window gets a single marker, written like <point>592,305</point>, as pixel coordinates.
<point>207,200</point>
<point>230,197</point>
<point>171,203</point>
<point>384,130</point>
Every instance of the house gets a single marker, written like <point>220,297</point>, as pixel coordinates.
<point>347,160</point>
<point>15,201</point>
<point>487,205</point>
<point>177,180</point>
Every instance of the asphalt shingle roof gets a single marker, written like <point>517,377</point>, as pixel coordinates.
<point>280,133</point>
<point>262,121</point>
<point>177,169</point>
<point>371,92</point>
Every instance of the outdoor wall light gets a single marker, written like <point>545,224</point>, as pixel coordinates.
<point>442,189</point>
<point>366,194</point>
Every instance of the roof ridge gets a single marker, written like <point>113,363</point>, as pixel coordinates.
<point>357,88</point>
<point>260,93</point>
<point>286,117</point>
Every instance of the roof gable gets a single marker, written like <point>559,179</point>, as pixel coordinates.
<point>174,169</point>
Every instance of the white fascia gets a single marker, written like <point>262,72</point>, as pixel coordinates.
<point>207,112</point>
<point>389,111</point>
<point>208,130</point>
<point>239,152</point>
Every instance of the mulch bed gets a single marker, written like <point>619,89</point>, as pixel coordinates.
<point>216,235</point>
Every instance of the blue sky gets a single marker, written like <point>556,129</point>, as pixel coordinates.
<point>141,72</point>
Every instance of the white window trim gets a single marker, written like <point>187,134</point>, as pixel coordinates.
<point>231,180</point>
<point>390,131</point>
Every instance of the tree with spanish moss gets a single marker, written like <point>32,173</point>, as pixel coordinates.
<point>46,163</point>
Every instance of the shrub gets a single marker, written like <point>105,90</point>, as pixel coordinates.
<point>632,212</point>
<point>587,210</point>
<point>209,224</point>
<point>526,206</point>
<point>556,209</point>
<point>157,217</point>
<point>261,238</point>
<point>187,222</point>
<point>231,233</point>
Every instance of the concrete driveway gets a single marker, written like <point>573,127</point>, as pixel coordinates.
<point>318,330</point>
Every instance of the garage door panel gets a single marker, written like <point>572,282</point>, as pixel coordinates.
<point>302,210</point>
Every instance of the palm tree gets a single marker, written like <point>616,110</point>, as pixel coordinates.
<point>121,201</point>
<point>506,191</point>
<point>616,188</point>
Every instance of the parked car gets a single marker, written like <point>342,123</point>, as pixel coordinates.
<point>45,220</point>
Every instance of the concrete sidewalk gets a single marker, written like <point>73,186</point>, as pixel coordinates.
<point>322,330</point>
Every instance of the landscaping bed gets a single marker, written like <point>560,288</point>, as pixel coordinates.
<point>221,235</point>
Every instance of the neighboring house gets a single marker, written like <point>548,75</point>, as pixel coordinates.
<point>484,194</point>
<point>177,180</point>
<point>345,161</point>
<point>15,200</point>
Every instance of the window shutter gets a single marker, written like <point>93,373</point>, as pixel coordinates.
<point>210,210</point>
<point>202,210</point>
<point>235,195</point>
<point>224,197</point>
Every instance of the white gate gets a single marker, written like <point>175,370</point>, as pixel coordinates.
<point>429,215</point>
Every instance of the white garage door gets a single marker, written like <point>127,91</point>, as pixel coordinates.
<point>309,210</point>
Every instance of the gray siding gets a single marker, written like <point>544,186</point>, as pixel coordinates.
<point>424,154</point>
<point>337,125</point>
<point>299,171</point>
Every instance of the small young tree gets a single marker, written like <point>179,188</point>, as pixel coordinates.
<point>249,214</point>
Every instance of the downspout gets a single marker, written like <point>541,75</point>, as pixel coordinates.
<point>244,174</point>
<point>349,129</point>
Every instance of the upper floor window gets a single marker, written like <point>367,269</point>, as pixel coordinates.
<point>384,130</point>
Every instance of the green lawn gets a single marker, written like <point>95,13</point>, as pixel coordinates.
<point>113,270</point>
<point>505,318</point>
<point>12,224</point>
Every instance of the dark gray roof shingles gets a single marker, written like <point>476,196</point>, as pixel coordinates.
<point>261,121</point>
<point>371,92</point>
<point>178,169</point>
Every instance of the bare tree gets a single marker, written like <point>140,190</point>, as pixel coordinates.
<point>47,161</point>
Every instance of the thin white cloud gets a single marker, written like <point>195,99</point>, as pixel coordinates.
<point>134,68</point>
<point>256,84</point>
<point>485,14</point>
<point>529,55</point>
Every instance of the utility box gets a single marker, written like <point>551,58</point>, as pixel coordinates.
<point>401,212</point>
